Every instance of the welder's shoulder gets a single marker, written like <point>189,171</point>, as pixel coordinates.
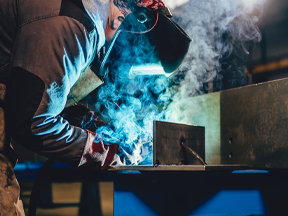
<point>54,35</point>
<point>34,10</point>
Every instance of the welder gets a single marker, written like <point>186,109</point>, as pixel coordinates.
<point>45,47</point>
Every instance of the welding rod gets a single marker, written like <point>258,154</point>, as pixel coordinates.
<point>194,154</point>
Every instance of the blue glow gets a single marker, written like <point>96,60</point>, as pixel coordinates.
<point>132,120</point>
<point>233,202</point>
<point>35,166</point>
<point>250,171</point>
<point>24,166</point>
<point>20,167</point>
<point>133,172</point>
<point>135,205</point>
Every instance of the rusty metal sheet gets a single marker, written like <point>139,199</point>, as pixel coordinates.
<point>166,142</point>
<point>254,125</point>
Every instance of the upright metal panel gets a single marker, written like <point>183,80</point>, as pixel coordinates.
<point>166,142</point>
<point>254,125</point>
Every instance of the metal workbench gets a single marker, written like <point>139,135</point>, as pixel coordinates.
<point>199,190</point>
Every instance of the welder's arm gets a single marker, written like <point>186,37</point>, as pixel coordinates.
<point>96,155</point>
<point>45,66</point>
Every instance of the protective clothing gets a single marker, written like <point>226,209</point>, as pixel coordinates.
<point>148,41</point>
<point>51,45</point>
<point>124,7</point>
<point>86,83</point>
<point>80,116</point>
<point>97,154</point>
<point>44,47</point>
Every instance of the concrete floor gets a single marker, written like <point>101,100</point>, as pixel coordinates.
<point>70,193</point>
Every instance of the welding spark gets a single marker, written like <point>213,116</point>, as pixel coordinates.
<point>137,155</point>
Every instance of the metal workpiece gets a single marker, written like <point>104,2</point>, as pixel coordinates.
<point>168,139</point>
<point>247,125</point>
<point>180,168</point>
<point>254,125</point>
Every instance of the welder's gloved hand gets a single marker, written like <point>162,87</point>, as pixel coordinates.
<point>97,155</point>
<point>81,116</point>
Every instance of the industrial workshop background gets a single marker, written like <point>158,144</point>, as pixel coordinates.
<point>265,61</point>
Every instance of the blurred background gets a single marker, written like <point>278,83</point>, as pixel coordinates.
<point>264,58</point>
<point>268,59</point>
<point>258,59</point>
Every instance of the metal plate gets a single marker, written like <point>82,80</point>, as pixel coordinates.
<point>254,125</point>
<point>166,142</point>
<point>247,125</point>
<point>178,168</point>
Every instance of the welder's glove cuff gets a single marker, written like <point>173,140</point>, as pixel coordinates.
<point>81,116</point>
<point>98,155</point>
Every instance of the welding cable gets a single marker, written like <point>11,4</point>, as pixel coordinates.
<point>101,71</point>
<point>37,187</point>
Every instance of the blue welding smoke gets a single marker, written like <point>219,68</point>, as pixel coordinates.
<point>221,31</point>
<point>131,108</point>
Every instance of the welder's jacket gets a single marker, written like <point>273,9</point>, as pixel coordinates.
<point>44,47</point>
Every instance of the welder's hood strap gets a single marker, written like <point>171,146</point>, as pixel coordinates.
<point>170,41</point>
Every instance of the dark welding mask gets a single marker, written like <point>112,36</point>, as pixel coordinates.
<point>146,43</point>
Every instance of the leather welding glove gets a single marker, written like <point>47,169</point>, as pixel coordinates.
<point>98,155</point>
<point>81,116</point>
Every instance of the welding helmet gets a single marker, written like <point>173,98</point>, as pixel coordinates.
<point>147,42</point>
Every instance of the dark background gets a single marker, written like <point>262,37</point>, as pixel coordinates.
<point>268,60</point>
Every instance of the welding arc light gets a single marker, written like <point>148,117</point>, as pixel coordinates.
<point>147,69</point>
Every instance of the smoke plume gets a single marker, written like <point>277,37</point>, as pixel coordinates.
<point>222,31</point>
